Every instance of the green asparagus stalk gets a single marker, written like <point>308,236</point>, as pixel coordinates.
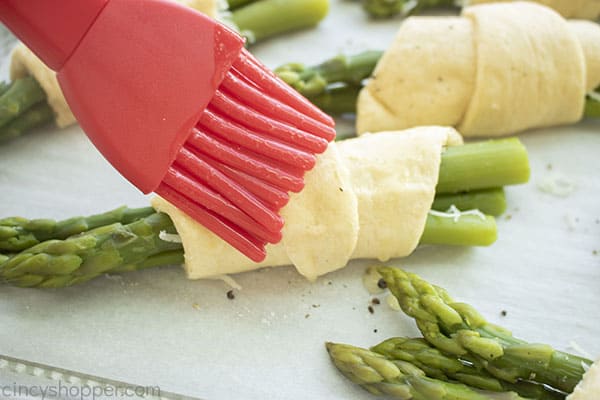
<point>400,379</point>
<point>337,100</point>
<point>488,201</point>
<point>261,19</point>
<point>19,97</point>
<point>445,367</point>
<point>483,165</point>
<point>106,249</point>
<point>34,117</point>
<point>592,105</point>
<point>389,8</point>
<point>233,4</point>
<point>18,234</point>
<point>463,230</point>
<point>458,329</point>
<point>312,81</point>
<point>116,247</point>
<point>3,87</point>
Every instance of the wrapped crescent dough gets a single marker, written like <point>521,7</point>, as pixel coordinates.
<point>589,387</point>
<point>584,9</point>
<point>367,198</point>
<point>495,70</point>
<point>24,63</point>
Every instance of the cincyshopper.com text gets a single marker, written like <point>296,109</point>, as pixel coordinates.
<point>79,392</point>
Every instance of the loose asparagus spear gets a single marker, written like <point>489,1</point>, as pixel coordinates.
<point>19,97</point>
<point>400,379</point>
<point>458,329</point>
<point>17,234</point>
<point>488,201</point>
<point>441,366</point>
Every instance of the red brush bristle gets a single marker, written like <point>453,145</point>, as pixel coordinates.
<point>251,146</point>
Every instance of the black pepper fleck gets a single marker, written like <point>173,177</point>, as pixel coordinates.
<point>230,295</point>
<point>341,189</point>
<point>382,284</point>
<point>375,330</point>
<point>316,305</point>
<point>504,313</point>
<point>595,252</point>
<point>307,316</point>
<point>375,301</point>
<point>371,310</point>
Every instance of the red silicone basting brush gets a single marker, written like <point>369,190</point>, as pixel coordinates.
<point>173,101</point>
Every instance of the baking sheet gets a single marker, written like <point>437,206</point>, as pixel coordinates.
<point>156,328</point>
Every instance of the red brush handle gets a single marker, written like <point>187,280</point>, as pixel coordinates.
<point>51,28</point>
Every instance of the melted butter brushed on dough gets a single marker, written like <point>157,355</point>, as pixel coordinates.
<point>517,66</point>
<point>353,205</point>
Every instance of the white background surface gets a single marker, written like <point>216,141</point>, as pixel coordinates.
<point>144,329</point>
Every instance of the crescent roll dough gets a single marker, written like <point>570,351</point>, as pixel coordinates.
<point>366,198</point>
<point>25,63</point>
<point>584,9</point>
<point>589,387</point>
<point>496,70</point>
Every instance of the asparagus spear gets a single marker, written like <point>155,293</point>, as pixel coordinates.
<point>19,97</point>
<point>3,87</point>
<point>467,370</point>
<point>483,165</point>
<point>389,8</point>
<point>110,248</point>
<point>592,104</point>
<point>233,4</point>
<point>17,234</point>
<point>488,201</point>
<point>312,81</point>
<point>458,329</point>
<point>400,379</point>
<point>261,19</point>
<point>34,117</point>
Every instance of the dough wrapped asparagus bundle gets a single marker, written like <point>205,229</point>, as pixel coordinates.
<point>368,197</point>
<point>256,20</point>
<point>495,70</point>
<point>579,9</point>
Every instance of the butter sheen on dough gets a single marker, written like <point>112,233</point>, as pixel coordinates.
<point>367,198</point>
<point>496,70</point>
